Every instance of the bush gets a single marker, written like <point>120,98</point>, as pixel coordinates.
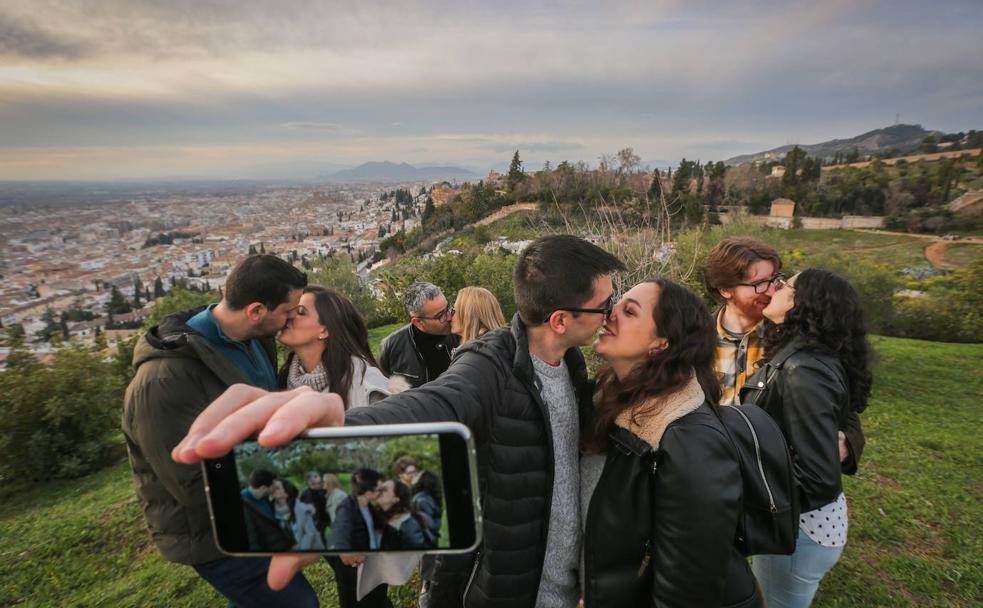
<point>338,272</point>
<point>58,420</point>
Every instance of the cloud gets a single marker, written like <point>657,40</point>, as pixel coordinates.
<point>22,38</point>
<point>324,127</point>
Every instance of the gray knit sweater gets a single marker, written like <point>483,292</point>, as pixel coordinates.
<point>558,587</point>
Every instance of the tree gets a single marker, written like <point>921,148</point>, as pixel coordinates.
<point>159,288</point>
<point>137,289</point>
<point>177,300</point>
<point>628,161</point>
<point>516,174</point>
<point>252,250</point>
<point>655,190</point>
<point>117,304</point>
<point>262,248</point>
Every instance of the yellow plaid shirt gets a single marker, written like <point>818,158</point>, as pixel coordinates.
<point>735,359</point>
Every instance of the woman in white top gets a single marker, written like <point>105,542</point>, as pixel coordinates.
<point>329,350</point>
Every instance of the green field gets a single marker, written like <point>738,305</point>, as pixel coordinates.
<point>916,521</point>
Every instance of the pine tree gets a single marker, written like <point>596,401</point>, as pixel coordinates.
<point>158,288</point>
<point>516,173</point>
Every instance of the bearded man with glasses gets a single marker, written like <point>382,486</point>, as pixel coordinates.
<point>421,350</point>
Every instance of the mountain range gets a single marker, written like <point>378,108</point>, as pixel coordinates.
<point>901,138</point>
<point>386,171</point>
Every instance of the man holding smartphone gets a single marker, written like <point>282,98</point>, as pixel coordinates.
<point>182,364</point>
<point>519,390</point>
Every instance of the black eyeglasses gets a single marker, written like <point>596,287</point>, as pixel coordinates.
<point>440,316</point>
<point>763,285</point>
<point>606,311</point>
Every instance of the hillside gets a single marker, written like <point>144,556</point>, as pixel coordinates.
<point>902,138</point>
<point>916,509</point>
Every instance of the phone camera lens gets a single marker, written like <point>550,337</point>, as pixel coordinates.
<point>218,465</point>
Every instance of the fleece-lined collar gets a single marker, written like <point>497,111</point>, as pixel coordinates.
<point>650,426</point>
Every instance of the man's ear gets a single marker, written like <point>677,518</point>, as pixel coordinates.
<point>726,293</point>
<point>255,312</point>
<point>558,321</point>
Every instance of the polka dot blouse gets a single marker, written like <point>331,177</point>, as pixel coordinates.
<point>827,525</point>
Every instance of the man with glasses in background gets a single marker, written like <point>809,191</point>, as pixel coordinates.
<point>421,350</point>
<point>742,273</point>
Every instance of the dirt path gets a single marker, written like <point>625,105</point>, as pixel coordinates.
<point>935,250</point>
<point>936,255</point>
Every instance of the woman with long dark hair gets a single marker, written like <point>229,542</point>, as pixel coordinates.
<point>427,497</point>
<point>403,528</point>
<point>329,350</point>
<point>816,371</point>
<point>660,482</point>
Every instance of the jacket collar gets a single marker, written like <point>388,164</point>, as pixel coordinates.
<point>651,426</point>
<point>794,346</point>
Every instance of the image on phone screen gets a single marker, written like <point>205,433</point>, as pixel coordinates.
<point>344,495</point>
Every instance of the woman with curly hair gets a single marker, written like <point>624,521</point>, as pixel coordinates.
<point>816,371</point>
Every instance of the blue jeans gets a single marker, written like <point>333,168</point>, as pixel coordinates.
<point>791,581</point>
<point>242,580</point>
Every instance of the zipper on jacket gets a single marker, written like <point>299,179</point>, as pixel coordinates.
<point>474,571</point>
<point>757,452</point>
<point>645,560</point>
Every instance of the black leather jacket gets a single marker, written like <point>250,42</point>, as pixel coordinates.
<point>806,392</point>
<point>491,387</point>
<point>663,517</point>
<point>400,356</point>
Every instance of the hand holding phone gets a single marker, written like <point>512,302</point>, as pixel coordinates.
<point>242,411</point>
<point>336,491</point>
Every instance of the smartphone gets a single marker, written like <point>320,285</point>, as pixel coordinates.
<point>367,489</point>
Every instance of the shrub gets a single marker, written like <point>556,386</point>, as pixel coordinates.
<point>57,420</point>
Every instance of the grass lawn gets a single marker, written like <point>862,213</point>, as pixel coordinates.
<point>893,250</point>
<point>916,510</point>
<point>961,254</point>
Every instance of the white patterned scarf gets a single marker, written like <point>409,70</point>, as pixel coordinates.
<point>297,377</point>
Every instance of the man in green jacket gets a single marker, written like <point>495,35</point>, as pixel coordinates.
<point>182,365</point>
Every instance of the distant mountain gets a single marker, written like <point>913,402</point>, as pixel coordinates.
<point>902,138</point>
<point>391,172</point>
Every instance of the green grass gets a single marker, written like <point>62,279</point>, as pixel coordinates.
<point>961,254</point>
<point>916,510</point>
<point>892,250</point>
<point>916,505</point>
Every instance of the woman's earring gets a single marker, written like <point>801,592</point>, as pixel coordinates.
<point>322,338</point>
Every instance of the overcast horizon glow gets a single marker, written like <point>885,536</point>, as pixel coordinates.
<point>125,89</point>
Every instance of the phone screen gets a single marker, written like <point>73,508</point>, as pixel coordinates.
<point>344,495</point>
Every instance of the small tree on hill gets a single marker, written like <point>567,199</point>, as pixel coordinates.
<point>516,174</point>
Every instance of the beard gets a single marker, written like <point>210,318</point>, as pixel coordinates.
<point>751,308</point>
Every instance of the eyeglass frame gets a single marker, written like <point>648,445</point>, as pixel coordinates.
<point>606,311</point>
<point>443,315</point>
<point>778,279</point>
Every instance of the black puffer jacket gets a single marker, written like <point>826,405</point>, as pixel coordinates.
<point>806,392</point>
<point>491,387</point>
<point>662,519</point>
<point>399,355</point>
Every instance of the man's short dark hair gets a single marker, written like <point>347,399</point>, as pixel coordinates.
<point>558,271</point>
<point>261,478</point>
<point>262,278</point>
<point>365,480</point>
<point>728,262</point>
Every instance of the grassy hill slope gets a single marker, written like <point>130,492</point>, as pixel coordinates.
<point>916,521</point>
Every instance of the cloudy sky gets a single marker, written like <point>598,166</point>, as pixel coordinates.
<point>111,89</point>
